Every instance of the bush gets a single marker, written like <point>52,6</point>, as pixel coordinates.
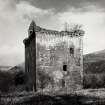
<point>94,80</point>
<point>6,81</point>
<point>20,78</point>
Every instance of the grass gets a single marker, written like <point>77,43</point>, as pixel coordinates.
<point>82,97</point>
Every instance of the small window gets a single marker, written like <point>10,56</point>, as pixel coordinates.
<point>64,67</point>
<point>71,51</point>
<point>31,32</point>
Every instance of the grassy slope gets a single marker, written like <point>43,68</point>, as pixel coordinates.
<point>94,57</point>
<point>94,62</point>
<point>94,70</point>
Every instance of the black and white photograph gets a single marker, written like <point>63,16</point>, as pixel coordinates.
<point>52,52</point>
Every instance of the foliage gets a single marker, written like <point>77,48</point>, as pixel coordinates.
<point>20,78</point>
<point>94,67</point>
<point>6,80</point>
<point>71,27</point>
<point>94,80</point>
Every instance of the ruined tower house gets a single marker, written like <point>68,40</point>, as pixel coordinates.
<point>53,59</point>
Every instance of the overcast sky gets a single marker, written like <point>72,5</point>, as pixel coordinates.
<point>16,15</point>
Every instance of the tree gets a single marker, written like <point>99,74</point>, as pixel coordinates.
<point>6,81</point>
<point>20,78</point>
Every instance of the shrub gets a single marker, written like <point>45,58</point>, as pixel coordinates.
<point>20,78</point>
<point>6,81</point>
<point>94,80</point>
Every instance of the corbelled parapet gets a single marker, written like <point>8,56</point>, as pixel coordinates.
<point>38,31</point>
<point>34,28</point>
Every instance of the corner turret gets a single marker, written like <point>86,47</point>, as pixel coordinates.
<point>32,28</point>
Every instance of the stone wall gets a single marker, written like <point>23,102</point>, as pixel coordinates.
<point>53,57</point>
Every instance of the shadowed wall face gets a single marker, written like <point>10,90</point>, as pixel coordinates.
<point>57,64</point>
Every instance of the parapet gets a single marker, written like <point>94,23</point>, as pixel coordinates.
<point>35,30</point>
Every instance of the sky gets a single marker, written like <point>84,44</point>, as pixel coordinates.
<point>16,15</point>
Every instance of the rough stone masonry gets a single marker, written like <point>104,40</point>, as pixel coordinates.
<point>53,59</point>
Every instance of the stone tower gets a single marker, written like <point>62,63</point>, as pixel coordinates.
<point>53,59</point>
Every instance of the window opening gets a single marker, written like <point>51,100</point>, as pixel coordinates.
<point>64,67</point>
<point>71,51</point>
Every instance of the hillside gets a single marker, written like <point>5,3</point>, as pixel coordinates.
<point>94,62</point>
<point>5,68</point>
<point>94,57</point>
<point>17,68</point>
<point>94,70</point>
